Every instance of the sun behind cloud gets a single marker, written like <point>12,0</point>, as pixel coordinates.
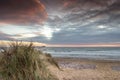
<point>47,32</point>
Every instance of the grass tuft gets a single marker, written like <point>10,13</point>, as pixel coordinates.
<point>23,62</point>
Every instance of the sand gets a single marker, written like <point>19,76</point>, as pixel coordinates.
<point>85,69</point>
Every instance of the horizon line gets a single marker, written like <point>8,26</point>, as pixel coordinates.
<point>114,44</point>
<point>85,45</point>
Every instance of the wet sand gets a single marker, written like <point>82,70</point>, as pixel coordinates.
<point>86,69</point>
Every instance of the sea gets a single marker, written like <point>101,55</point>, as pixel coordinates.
<point>102,53</point>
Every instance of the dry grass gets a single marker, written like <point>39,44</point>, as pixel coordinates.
<point>51,60</point>
<point>23,62</point>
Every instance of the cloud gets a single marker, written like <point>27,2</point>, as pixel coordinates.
<point>83,21</point>
<point>68,21</point>
<point>4,36</point>
<point>22,12</point>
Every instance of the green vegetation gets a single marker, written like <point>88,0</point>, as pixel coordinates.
<point>24,62</point>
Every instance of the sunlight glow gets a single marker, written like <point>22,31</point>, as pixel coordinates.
<point>101,27</point>
<point>6,43</point>
<point>47,32</point>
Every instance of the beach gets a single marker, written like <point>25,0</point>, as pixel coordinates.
<point>87,69</point>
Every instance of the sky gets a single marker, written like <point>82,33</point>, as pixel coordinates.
<point>58,22</point>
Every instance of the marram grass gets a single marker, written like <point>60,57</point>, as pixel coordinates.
<point>23,62</point>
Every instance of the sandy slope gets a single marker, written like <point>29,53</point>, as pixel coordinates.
<point>79,69</point>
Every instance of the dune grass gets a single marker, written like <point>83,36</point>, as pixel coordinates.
<point>51,60</point>
<point>23,62</point>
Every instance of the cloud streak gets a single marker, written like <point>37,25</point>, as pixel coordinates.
<point>4,36</point>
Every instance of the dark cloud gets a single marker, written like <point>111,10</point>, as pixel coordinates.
<point>22,12</point>
<point>76,37</point>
